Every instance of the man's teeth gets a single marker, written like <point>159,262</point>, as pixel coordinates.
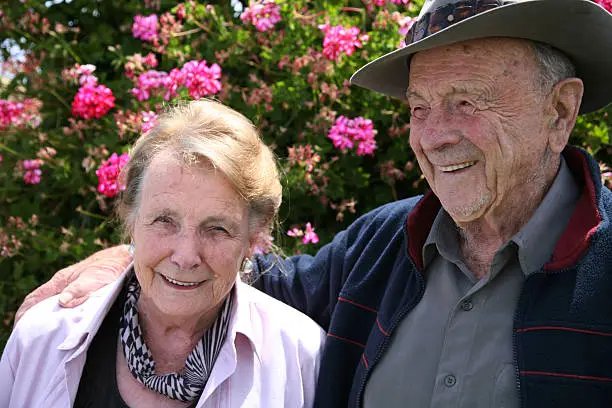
<point>181,283</point>
<point>455,167</point>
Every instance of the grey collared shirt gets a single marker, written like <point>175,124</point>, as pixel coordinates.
<point>454,349</point>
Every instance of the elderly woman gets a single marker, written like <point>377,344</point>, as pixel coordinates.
<point>179,329</point>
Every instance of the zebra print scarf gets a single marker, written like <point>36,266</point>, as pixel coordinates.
<point>186,386</point>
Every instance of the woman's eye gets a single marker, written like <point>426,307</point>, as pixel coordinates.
<point>163,220</point>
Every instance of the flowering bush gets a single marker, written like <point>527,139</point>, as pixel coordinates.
<point>80,80</point>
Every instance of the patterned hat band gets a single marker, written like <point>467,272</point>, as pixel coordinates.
<point>447,15</point>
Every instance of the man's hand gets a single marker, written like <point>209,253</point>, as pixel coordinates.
<point>77,281</point>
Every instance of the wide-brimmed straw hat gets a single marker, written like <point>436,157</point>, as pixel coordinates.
<point>581,29</point>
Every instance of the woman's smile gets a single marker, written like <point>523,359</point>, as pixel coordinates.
<point>182,285</point>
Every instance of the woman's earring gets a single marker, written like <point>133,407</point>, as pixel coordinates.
<point>132,248</point>
<point>246,268</point>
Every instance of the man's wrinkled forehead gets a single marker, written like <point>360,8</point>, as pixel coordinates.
<point>478,61</point>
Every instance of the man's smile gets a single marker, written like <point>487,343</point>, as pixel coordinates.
<point>455,167</point>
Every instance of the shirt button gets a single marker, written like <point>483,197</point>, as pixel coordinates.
<point>450,380</point>
<point>467,305</point>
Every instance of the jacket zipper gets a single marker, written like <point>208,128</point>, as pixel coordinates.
<point>383,346</point>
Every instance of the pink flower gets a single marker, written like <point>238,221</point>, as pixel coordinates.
<point>405,24</point>
<point>295,232</point>
<point>310,235</point>
<point>263,15</point>
<point>148,81</point>
<point>92,101</point>
<point>19,114</point>
<point>607,4</point>
<point>181,11</point>
<point>1,158</point>
<point>339,40</point>
<point>172,82</point>
<point>108,174</point>
<point>32,171</point>
<point>149,120</point>
<point>200,79</point>
<point>405,2</point>
<point>345,132</point>
<point>146,28</point>
<point>264,244</point>
<point>150,60</point>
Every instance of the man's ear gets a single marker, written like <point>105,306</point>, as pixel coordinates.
<point>566,97</point>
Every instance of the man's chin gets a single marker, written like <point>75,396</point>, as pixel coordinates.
<point>466,211</point>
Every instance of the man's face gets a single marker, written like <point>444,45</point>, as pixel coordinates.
<point>478,127</point>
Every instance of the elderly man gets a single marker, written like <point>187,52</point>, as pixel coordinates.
<point>495,289</point>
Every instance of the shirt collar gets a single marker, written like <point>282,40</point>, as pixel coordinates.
<point>442,239</point>
<point>537,239</point>
<point>243,323</point>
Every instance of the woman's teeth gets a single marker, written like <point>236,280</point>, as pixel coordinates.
<point>176,282</point>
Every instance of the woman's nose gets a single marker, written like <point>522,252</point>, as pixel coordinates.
<point>187,253</point>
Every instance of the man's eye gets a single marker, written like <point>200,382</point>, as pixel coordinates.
<point>218,229</point>
<point>467,107</point>
<point>419,112</point>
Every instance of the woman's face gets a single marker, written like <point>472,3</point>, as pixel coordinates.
<point>191,234</point>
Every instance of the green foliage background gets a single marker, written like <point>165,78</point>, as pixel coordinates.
<point>75,221</point>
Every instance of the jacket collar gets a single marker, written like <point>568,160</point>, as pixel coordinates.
<point>573,241</point>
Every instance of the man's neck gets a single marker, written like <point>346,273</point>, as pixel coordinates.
<point>481,238</point>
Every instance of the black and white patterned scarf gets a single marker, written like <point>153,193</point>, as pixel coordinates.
<point>184,387</point>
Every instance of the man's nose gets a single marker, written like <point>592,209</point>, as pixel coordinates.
<point>439,130</point>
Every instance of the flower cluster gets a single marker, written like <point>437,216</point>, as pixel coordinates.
<point>607,4</point>
<point>92,101</point>
<point>10,244</point>
<point>199,78</point>
<point>146,28</point>
<point>80,74</point>
<point>263,15</point>
<point>108,175</point>
<point>19,114</point>
<point>32,171</point>
<point>309,235</point>
<point>339,40</point>
<point>137,63</point>
<point>345,132</point>
<point>303,156</point>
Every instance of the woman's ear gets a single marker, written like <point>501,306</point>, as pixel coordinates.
<point>566,97</point>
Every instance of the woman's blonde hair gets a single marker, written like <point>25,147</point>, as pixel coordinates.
<point>207,131</point>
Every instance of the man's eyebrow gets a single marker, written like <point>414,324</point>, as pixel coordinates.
<point>412,94</point>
